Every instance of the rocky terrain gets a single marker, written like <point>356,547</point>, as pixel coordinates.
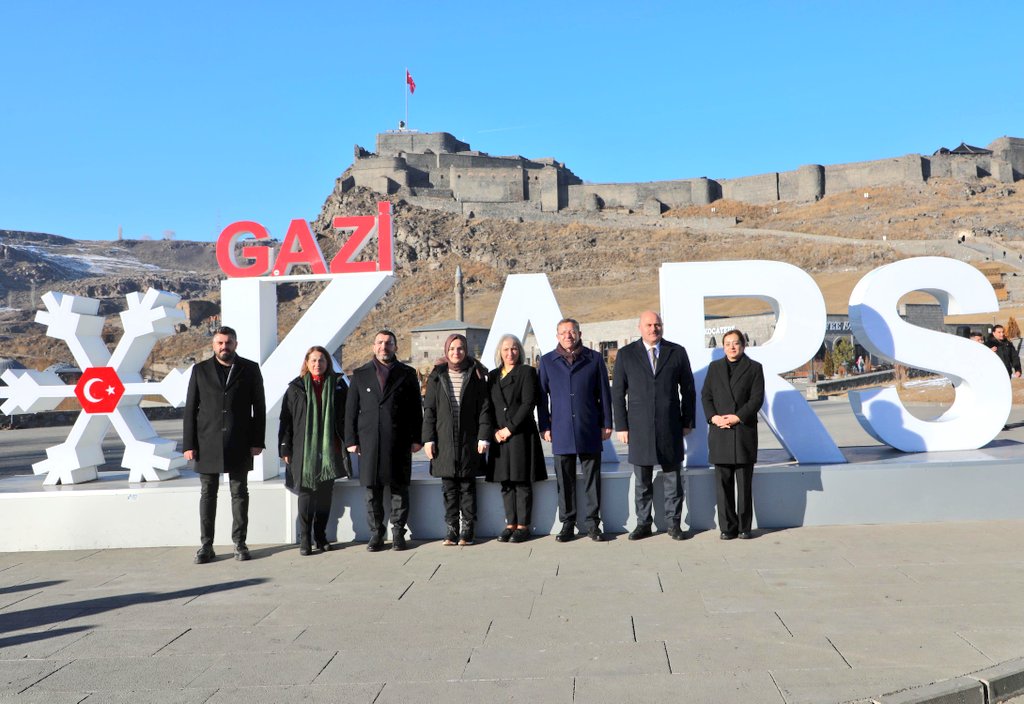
<point>599,269</point>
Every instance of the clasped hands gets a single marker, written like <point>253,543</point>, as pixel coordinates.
<point>727,421</point>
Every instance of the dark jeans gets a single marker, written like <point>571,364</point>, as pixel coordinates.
<point>728,521</point>
<point>315,511</point>
<point>643,493</point>
<point>239,506</point>
<point>565,472</point>
<point>518,500</point>
<point>459,495</point>
<point>375,507</point>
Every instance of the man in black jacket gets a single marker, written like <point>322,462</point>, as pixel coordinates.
<point>383,420</point>
<point>225,423</point>
<point>1005,350</point>
<point>655,406</point>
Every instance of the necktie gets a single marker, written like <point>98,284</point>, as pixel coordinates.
<point>654,359</point>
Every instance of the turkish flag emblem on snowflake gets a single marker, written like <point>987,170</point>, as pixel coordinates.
<point>110,389</point>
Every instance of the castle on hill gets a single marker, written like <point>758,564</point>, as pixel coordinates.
<point>436,170</point>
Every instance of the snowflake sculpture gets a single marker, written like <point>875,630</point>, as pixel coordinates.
<point>110,389</point>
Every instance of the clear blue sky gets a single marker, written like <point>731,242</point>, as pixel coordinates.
<point>187,116</point>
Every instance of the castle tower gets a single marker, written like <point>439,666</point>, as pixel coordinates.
<point>460,290</point>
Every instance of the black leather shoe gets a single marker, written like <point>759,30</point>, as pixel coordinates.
<point>324,545</point>
<point>398,539</point>
<point>520,535</point>
<point>203,555</point>
<point>745,535</point>
<point>506,535</point>
<point>641,532</point>
<point>304,547</point>
<point>567,534</point>
<point>376,543</point>
<point>242,553</point>
<point>676,533</point>
<point>727,536</point>
<point>452,536</point>
<point>595,535</point>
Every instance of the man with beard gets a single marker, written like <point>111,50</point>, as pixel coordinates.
<point>575,416</point>
<point>383,420</point>
<point>225,423</point>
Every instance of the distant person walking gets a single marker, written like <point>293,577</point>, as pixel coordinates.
<point>224,426</point>
<point>655,407</point>
<point>456,434</point>
<point>383,421</point>
<point>732,396</point>
<point>575,416</point>
<point>311,443</point>
<point>516,458</point>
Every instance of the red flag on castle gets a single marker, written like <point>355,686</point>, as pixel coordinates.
<point>412,83</point>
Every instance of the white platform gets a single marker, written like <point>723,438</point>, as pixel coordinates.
<point>877,485</point>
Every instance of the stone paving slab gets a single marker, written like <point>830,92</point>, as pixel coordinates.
<point>503,691</point>
<point>793,616</point>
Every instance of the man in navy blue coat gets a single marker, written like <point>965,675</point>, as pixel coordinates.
<point>575,416</point>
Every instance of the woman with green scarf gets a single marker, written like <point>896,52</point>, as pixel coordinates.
<point>310,442</point>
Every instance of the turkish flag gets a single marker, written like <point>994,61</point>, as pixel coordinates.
<point>412,83</point>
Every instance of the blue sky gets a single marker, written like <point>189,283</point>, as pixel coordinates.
<point>188,116</point>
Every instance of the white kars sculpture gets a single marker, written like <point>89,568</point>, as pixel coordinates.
<point>110,389</point>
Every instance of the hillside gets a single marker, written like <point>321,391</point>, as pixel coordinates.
<point>600,270</point>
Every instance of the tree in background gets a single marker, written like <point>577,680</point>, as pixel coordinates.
<point>828,366</point>
<point>842,353</point>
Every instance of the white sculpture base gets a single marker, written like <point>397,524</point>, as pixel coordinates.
<point>878,485</point>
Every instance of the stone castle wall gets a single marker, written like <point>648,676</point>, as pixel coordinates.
<point>436,169</point>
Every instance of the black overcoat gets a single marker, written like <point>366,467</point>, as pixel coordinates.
<point>457,456</point>
<point>222,423</point>
<point>654,407</point>
<point>384,424</point>
<point>514,398</point>
<point>742,395</point>
<point>291,434</point>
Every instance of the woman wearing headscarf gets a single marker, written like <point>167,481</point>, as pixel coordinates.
<point>310,440</point>
<point>456,434</point>
<point>516,458</point>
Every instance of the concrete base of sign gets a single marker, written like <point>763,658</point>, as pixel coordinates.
<point>877,485</point>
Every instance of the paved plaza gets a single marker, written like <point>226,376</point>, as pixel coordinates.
<point>808,614</point>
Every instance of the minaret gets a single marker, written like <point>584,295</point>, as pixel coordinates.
<point>459,291</point>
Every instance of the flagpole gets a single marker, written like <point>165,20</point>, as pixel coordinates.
<point>406,81</point>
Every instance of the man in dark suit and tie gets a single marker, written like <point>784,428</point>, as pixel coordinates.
<point>655,405</point>
<point>383,421</point>
<point>224,427</point>
<point>732,396</point>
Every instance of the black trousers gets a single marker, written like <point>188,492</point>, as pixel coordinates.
<point>643,493</point>
<point>459,495</point>
<point>209,484</point>
<point>565,472</point>
<point>518,500</point>
<point>728,521</point>
<point>315,511</point>
<point>375,507</point>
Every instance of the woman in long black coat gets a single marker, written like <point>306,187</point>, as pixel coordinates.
<point>311,442</point>
<point>456,433</point>
<point>732,396</point>
<point>516,457</point>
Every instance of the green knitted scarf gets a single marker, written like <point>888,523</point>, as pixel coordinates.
<point>318,446</point>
